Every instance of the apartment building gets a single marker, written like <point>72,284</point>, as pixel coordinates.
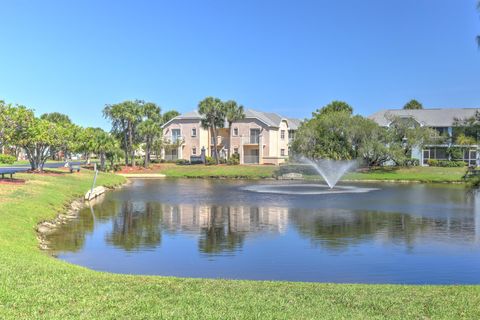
<point>440,119</point>
<point>260,138</point>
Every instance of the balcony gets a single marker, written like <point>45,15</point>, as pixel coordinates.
<point>252,140</point>
<point>174,140</point>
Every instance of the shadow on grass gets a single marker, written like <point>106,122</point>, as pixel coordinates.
<point>379,170</point>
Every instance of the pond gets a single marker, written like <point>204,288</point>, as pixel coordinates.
<point>384,233</point>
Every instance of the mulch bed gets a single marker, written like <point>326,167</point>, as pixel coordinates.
<point>48,172</point>
<point>11,181</point>
<point>126,170</point>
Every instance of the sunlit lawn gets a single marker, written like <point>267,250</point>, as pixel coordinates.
<point>423,174</point>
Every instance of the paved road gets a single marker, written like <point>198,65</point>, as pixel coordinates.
<point>26,167</point>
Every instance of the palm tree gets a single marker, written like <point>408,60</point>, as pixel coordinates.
<point>212,111</point>
<point>413,105</point>
<point>151,128</point>
<point>125,117</point>
<point>233,112</point>
<point>478,37</point>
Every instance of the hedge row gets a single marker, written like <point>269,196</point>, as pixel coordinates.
<point>446,163</point>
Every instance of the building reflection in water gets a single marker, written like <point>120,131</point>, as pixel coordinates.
<point>137,225</point>
<point>224,229</point>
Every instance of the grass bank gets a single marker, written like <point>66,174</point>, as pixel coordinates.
<point>216,171</point>
<point>36,286</point>
<point>422,174</point>
<point>25,162</point>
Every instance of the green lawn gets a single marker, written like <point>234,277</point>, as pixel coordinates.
<point>36,286</point>
<point>21,162</point>
<point>220,171</point>
<point>423,174</point>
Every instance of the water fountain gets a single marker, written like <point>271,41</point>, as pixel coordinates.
<point>330,170</point>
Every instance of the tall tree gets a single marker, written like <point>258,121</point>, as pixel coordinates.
<point>406,134</point>
<point>212,111</point>
<point>413,105</point>
<point>103,143</point>
<point>56,117</point>
<point>64,121</point>
<point>169,115</point>
<point>233,112</point>
<point>151,128</point>
<point>21,128</point>
<point>334,106</point>
<point>478,37</point>
<point>125,117</point>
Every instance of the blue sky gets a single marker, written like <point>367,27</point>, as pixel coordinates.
<point>290,57</point>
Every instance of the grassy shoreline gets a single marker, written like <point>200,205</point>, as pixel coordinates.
<point>390,174</point>
<point>36,286</point>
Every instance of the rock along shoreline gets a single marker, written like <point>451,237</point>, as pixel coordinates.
<point>47,227</point>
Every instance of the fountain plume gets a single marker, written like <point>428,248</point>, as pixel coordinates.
<point>330,170</point>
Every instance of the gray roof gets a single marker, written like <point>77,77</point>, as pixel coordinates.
<point>271,119</point>
<point>294,123</point>
<point>427,117</point>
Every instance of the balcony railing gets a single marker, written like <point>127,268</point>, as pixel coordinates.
<point>251,139</point>
<point>174,139</point>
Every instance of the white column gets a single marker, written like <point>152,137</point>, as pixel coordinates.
<point>241,151</point>
<point>260,149</point>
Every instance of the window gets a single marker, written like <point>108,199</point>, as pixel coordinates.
<point>194,151</point>
<point>235,131</point>
<point>254,136</point>
<point>176,135</point>
<point>282,152</point>
<point>282,134</point>
<point>235,150</point>
<point>194,132</point>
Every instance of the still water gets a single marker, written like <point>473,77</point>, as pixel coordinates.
<point>390,233</point>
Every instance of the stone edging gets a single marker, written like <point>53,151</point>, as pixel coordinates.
<point>47,227</point>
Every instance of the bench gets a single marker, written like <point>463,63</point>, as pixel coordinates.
<point>10,172</point>
<point>74,168</point>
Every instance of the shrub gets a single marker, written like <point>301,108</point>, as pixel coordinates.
<point>455,153</point>
<point>182,162</point>
<point>116,167</point>
<point>210,161</point>
<point>234,159</point>
<point>7,159</point>
<point>411,163</point>
<point>445,163</point>
<point>473,181</point>
<point>296,168</point>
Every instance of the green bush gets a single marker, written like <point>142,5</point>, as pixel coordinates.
<point>7,159</point>
<point>411,163</point>
<point>116,167</point>
<point>445,163</point>
<point>455,153</point>
<point>234,159</point>
<point>182,162</point>
<point>296,168</point>
<point>210,161</point>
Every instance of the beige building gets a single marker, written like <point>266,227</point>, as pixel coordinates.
<point>260,138</point>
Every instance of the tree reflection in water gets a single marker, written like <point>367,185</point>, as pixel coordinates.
<point>137,225</point>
